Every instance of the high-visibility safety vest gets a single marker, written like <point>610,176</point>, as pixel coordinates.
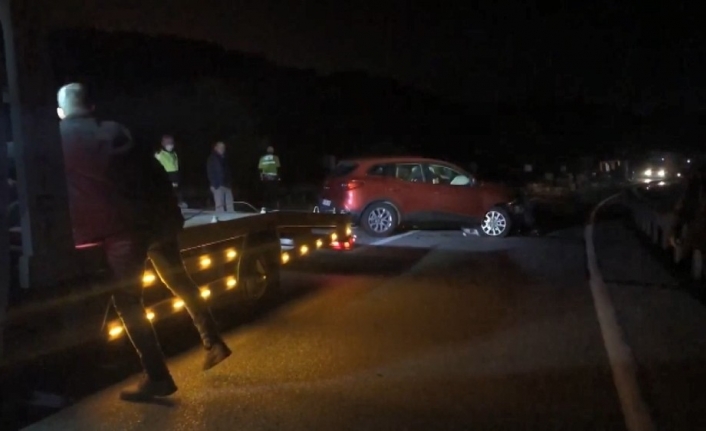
<point>269,164</point>
<point>169,160</point>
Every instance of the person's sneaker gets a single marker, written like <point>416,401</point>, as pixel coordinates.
<point>148,389</point>
<point>215,355</point>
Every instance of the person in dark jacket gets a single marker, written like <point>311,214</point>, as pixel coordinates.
<point>220,179</point>
<point>120,196</point>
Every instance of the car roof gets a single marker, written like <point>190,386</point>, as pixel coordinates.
<point>394,159</point>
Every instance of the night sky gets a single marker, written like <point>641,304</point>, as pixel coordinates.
<point>603,51</point>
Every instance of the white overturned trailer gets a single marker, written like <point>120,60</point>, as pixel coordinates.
<point>236,259</point>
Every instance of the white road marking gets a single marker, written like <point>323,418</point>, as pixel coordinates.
<point>622,363</point>
<point>392,238</point>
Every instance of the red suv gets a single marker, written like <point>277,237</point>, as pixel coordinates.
<point>384,193</point>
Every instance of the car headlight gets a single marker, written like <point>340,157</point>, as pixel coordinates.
<point>516,206</point>
<point>648,172</point>
<point>661,173</point>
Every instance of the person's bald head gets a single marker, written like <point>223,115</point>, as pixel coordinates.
<point>73,100</point>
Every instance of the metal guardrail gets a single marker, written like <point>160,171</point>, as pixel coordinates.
<point>655,218</point>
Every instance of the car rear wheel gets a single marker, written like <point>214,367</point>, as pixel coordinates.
<point>380,219</point>
<point>259,270</point>
<point>496,223</point>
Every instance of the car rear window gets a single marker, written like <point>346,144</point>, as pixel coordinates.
<point>342,169</point>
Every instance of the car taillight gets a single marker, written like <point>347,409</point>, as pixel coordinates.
<point>345,244</point>
<point>352,185</point>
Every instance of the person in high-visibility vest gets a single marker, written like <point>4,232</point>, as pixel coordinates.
<point>269,175</point>
<point>169,160</point>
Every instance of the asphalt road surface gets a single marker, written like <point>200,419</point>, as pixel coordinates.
<point>437,331</point>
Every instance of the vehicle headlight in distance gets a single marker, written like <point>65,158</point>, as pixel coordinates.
<point>661,173</point>
<point>648,172</point>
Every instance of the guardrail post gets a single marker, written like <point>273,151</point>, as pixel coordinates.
<point>664,241</point>
<point>665,231</point>
<point>697,265</point>
<point>679,249</point>
<point>656,233</point>
<point>678,253</point>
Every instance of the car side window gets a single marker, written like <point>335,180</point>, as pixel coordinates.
<point>441,174</point>
<point>411,172</point>
<point>383,170</point>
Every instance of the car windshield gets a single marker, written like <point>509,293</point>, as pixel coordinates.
<point>442,174</point>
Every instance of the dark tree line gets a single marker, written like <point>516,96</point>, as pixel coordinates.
<point>202,93</point>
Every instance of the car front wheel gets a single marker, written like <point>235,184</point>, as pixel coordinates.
<point>379,219</point>
<point>496,223</point>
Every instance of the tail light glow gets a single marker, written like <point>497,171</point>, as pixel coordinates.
<point>346,244</point>
<point>352,185</point>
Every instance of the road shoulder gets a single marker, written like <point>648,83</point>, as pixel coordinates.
<point>663,325</point>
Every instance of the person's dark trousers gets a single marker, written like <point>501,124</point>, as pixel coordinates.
<point>176,184</point>
<point>126,255</point>
<point>166,257</point>
<point>270,192</point>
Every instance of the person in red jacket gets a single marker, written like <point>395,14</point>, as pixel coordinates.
<point>120,196</point>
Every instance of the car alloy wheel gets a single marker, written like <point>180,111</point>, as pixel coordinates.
<point>494,223</point>
<point>380,220</point>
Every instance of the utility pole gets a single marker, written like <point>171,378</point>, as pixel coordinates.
<point>4,225</point>
<point>47,242</point>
